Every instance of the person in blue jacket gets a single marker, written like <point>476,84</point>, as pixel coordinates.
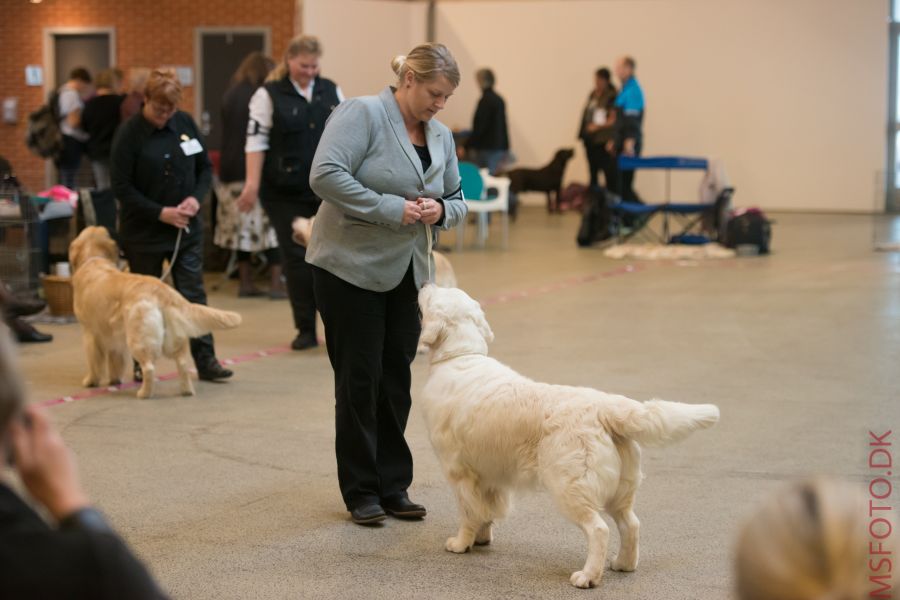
<point>629,122</point>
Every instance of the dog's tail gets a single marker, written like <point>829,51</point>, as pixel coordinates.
<point>194,320</point>
<point>658,422</point>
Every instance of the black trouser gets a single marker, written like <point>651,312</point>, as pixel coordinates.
<point>293,259</point>
<point>599,159</point>
<point>625,179</point>
<point>371,339</point>
<point>187,275</point>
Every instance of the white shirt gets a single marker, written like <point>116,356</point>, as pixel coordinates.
<point>70,101</point>
<point>261,109</point>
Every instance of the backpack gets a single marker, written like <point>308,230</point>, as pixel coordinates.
<point>44,137</point>
<point>596,217</point>
<point>749,227</point>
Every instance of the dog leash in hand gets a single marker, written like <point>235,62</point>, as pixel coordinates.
<point>168,270</point>
<point>429,237</point>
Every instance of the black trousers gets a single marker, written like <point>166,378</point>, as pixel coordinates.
<point>187,275</point>
<point>599,159</point>
<point>371,339</point>
<point>625,179</point>
<point>293,259</point>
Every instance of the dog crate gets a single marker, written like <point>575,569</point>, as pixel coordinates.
<point>20,248</point>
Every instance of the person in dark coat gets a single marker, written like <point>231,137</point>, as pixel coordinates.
<point>244,232</point>
<point>488,144</point>
<point>100,119</point>
<point>598,129</point>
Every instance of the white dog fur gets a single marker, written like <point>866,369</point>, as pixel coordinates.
<point>495,430</point>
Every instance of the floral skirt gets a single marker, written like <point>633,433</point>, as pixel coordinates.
<point>250,231</point>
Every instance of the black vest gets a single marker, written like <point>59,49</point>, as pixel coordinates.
<point>296,130</point>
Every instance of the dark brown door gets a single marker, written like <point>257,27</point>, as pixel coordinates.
<point>221,54</point>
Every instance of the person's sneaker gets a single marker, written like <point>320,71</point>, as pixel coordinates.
<point>304,341</point>
<point>213,371</point>
<point>368,514</point>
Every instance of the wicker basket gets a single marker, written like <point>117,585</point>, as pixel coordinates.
<point>58,291</point>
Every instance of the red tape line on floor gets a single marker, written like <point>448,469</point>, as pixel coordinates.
<point>253,356</point>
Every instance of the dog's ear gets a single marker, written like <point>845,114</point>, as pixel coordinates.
<point>483,327</point>
<point>75,253</point>
<point>432,328</point>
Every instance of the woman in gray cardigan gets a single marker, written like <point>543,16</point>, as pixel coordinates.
<point>387,174</point>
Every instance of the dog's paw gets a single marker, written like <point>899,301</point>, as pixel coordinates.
<point>89,382</point>
<point>618,564</point>
<point>116,381</point>
<point>456,545</point>
<point>144,394</point>
<point>582,580</point>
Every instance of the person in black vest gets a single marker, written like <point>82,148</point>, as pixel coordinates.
<point>160,174</point>
<point>287,116</point>
<point>597,129</point>
<point>489,140</point>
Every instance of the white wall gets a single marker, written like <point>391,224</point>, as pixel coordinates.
<point>791,94</point>
<point>360,37</point>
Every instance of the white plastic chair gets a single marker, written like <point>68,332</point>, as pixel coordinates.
<point>483,206</point>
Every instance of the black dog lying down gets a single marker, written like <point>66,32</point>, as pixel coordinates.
<point>547,179</point>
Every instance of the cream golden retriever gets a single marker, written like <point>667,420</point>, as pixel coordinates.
<point>495,430</point>
<point>123,312</point>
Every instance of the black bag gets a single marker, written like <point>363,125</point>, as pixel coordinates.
<point>749,227</point>
<point>596,217</point>
<point>44,137</point>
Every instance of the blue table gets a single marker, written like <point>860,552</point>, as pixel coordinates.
<point>666,163</point>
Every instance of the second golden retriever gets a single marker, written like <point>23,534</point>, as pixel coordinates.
<point>123,312</point>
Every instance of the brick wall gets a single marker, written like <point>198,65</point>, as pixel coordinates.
<point>148,33</point>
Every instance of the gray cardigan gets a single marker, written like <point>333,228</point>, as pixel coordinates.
<point>364,169</point>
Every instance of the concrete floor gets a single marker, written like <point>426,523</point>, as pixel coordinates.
<point>233,493</point>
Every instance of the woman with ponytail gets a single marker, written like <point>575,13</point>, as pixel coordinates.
<point>287,117</point>
<point>387,174</point>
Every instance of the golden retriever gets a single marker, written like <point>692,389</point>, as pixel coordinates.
<point>495,430</point>
<point>123,312</point>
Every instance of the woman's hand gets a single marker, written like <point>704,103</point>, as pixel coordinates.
<point>174,216</point>
<point>412,212</point>
<point>46,465</point>
<point>432,210</point>
<point>189,206</point>
<point>247,200</point>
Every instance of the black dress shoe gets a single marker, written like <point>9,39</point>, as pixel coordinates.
<point>403,508</point>
<point>213,371</point>
<point>304,341</point>
<point>25,333</point>
<point>368,514</point>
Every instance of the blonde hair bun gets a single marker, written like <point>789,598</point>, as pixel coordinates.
<point>397,63</point>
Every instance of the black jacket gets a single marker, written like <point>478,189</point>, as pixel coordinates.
<point>489,130</point>
<point>235,116</point>
<point>82,559</point>
<point>99,119</point>
<point>296,130</point>
<point>150,171</point>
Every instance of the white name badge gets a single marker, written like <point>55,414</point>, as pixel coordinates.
<point>191,147</point>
